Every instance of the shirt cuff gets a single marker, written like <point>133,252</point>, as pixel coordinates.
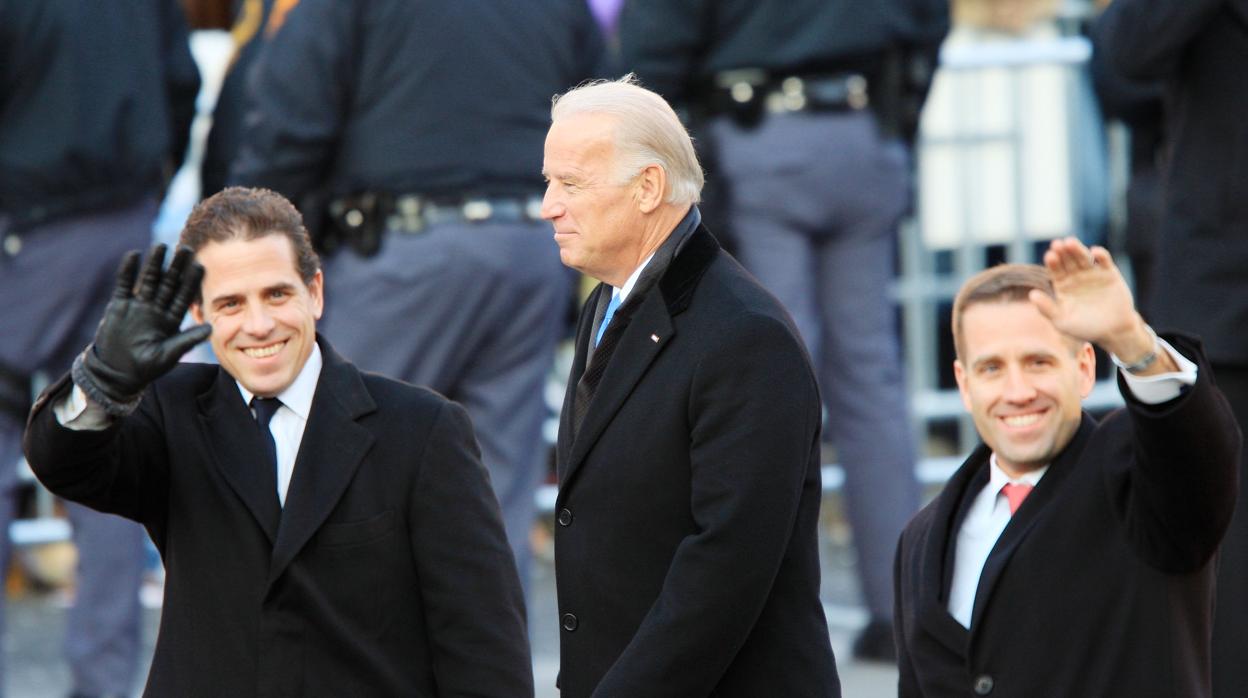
<point>1162,387</point>
<point>77,412</point>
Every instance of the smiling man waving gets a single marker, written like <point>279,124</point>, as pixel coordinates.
<point>325,532</point>
<point>1069,556</point>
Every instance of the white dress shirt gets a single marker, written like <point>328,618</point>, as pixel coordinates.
<point>622,292</point>
<point>989,513</point>
<point>985,520</point>
<point>291,418</point>
<point>79,413</point>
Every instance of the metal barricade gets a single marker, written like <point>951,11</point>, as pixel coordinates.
<point>1001,170</point>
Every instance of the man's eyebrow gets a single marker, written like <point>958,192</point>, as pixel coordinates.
<point>981,360</point>
<point>222,298</point>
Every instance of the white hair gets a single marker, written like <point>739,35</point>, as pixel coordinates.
<point>647,132</point>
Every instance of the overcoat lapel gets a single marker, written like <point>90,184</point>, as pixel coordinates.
<point>650,329</point>
<point>234,443</point>
<point>579,360</point>
<point>936,561</point>
<point>333,446</point>
<point>1032,510</point>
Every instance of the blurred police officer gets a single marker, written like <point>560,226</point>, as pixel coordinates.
<point>807,105</point>
<point>419,129</point>
<point>250,30</point>
<point>95,108</point>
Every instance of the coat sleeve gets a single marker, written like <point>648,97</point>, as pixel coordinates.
<point>1145,38</point>
<point>1179,491</point>
<point>120,470</point>
<point>754,416</point>
<point>297,96</point>
<point>468,582</point>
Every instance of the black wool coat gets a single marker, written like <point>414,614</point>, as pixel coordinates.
<point>686,523</point>
<point>1102,583</point>
<point>387,573</point>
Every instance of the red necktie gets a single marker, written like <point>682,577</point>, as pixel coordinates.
<point>1015,494</point>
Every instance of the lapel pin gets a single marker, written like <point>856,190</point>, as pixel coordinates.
<point>654,338</point>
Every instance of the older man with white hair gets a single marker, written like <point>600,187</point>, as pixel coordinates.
<point>685,547</point>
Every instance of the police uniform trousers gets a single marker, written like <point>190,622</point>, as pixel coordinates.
<point>473,311</point>
<point>55,280</point>
<point>814,200</point>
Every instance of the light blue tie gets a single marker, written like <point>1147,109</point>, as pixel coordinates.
<point>606,317</point>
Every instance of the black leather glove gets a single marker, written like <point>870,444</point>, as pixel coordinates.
<point>138,340</point>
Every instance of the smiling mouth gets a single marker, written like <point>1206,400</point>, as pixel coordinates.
<point>1019,421</point>
<point>264,352</point>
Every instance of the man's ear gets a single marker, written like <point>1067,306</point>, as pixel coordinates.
<point>651,188</point>
<point>197,313</point>
<point>1086,362</point>
<point>316,290</point>
<point>959,374</point>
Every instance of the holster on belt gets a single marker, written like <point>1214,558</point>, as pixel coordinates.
<point>749,94</point>
<point>904,78</point>
<point>357,221</point>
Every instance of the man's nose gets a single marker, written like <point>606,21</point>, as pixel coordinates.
<point>1018,386</point>
<point>257,321</point>
<point>551,208</point>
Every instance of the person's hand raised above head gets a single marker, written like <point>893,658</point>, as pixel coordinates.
<point>139,339</point>
<point>1092,300</point>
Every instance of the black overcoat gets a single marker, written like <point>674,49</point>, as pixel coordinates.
<point>1102,584</point>
<point>686,524</point>
<point>386,574</point>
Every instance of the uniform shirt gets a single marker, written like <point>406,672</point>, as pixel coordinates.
<point>447,97</point>
<point>989,513</point>
<point>97,98</point>
<point>677,46</point>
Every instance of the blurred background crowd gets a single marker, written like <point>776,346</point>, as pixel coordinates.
<point>863,159</point>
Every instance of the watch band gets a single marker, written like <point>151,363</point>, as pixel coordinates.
<point>1147,360</point>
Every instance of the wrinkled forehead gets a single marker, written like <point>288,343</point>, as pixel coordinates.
<point>581,137</point>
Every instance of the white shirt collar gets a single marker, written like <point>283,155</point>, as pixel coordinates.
<point>298,395</point>
<point>997,477</point>
<point>623,291</point>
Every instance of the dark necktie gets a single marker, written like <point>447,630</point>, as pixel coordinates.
<point>265,408</point>
<point>588,383</point>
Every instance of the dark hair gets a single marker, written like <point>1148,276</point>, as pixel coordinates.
<point>242,213</point>
<point>1005,283</point>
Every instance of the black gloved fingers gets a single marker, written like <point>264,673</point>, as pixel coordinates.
<point>127,272</point>
<point>188,291</point>
<point>172,279</point>
<point>172,349</point>
<point>149,278</point>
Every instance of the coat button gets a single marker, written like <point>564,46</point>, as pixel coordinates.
<point>983,685</point>
<point>569,622</point>
<point>565,517</point>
